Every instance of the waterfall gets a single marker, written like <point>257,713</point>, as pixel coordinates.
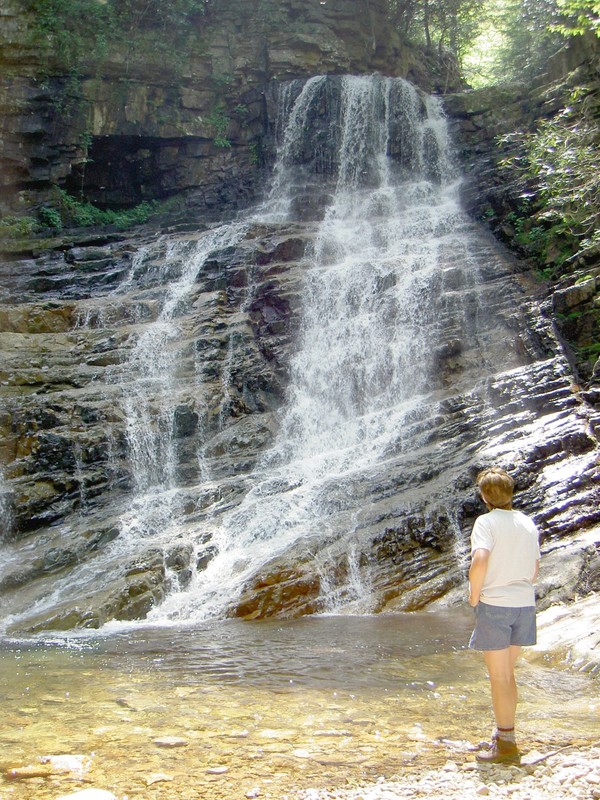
<point>363,366</point>
<point>6,508</point>
<point>153,392</point>
<point>392,288</point>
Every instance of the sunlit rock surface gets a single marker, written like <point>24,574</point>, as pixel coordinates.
<point>490,126</point>
<point>284,414</point>
<point>570,634</point>
<point>64,447</point>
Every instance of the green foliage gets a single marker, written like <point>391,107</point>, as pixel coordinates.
<point>173,15</point>
<point>65,211</point>
<point>591,351</point>
<point>495,40</point>
<point>74,29</point>
<point>527,38</point>
<point>219,122</point>
<point>516,37</point>
<point>78,213</point>
<point>588,354</point>
<point>79,32</point>
<point>222,81</point>
<point>85,140</point>
<point>557,168</point>
<point>443,24</point>
<point>50,218</point>
<point>255,153</point>
<point>15,227</point>
<point>581,16</point>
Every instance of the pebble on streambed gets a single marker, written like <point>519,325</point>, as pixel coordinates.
<point>89,794</point>
<point>158,777</point>
<point>47,766</point>
<point>171,741</point>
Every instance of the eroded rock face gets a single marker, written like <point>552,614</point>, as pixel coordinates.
<point>484,123</point>
<point>67,456</point>
<point>63,439</point>
<point>56,352</point>
<point>152,127</point>
<point>152,388</point>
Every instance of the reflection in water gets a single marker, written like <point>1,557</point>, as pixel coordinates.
<point>271,706</point>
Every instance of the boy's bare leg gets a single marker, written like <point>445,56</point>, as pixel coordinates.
<point>501,669</point>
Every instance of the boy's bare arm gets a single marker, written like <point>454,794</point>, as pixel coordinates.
<point>477,570</point>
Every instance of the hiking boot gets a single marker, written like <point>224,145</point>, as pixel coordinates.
<point>500,752</point>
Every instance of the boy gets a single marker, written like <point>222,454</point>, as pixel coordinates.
<point>504,565</point>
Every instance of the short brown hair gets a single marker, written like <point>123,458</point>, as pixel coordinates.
<point>496,487</point>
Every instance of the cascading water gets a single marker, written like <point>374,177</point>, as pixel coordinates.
<point>200,490</point>
<point>391,284</point>
<point>363,364</point>
<point>152,381</point>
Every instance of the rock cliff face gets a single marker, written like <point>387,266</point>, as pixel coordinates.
<point>498,196</point>
<point>144,125</point>
<point>70,484</point>
<point>172,360</point>
<point>163,398</point>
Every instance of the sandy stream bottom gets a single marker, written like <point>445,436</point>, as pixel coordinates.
<point>269,710</point>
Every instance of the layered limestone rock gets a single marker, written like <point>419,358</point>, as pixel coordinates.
<point>63,425</point>
<point>142,124</point>
<point>484,124</point>
<point>145,383</point>
<point>68,462</point>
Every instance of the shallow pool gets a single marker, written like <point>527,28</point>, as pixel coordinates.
<point>237,709</point>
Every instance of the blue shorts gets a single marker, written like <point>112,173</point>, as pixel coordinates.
<point>497,627</point>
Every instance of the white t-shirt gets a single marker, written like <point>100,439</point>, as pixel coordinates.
<point>513,542</point>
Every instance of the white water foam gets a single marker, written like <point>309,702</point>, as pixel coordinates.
<point>359,375</point>
<point>362,364</point>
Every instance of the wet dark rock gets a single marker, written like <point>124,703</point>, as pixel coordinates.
<point>85,254</point>
<point>185,422</point>
<point>179,557</point>
<point>280,249</point>
<point>53,453</point>
<point>67,450</point>
<point>269,312</point>
<point>205,558</point>
<point>53,555</point>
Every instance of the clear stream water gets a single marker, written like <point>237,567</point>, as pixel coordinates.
<point>268,706</point>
